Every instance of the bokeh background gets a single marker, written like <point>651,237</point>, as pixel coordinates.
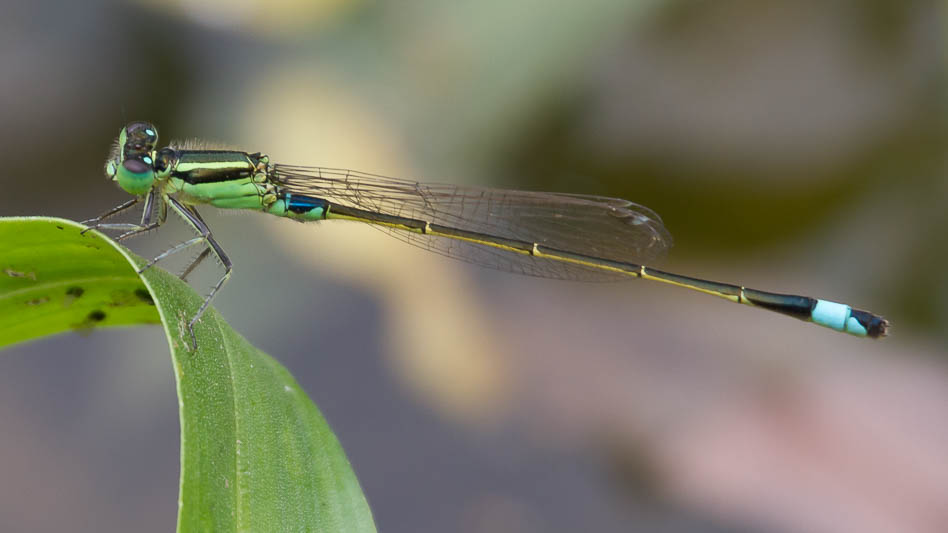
<point>794,146</point>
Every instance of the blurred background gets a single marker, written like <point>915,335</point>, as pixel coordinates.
<point>792,146</point>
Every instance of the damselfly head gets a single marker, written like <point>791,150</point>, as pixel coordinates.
<point>131,162</point>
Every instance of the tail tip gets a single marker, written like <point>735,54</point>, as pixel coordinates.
<point>876,326</point>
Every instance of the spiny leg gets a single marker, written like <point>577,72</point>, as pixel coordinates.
<point>146,223</point>
<point>190,215</point>
<point>197,261</point>
<point>135,229</point>
<point>171,251</point>
<point>181,246</point>
<point>93,223</point>
<point>200,258</point>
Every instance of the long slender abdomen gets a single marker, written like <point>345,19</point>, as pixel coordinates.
<point>839,317</point>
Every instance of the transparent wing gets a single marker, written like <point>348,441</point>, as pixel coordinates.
<point>601,227</point>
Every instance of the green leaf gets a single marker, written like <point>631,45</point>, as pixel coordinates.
<point>53,280</point>
<point>256,454</point>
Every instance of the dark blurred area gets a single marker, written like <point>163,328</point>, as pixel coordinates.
<point>788,146</point>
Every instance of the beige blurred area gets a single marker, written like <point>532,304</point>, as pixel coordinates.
<point>797,147</point>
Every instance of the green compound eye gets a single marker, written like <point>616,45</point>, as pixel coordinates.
<point>136,176</point>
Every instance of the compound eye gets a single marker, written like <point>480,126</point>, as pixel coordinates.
<point>140,138</point>
<point>136,166</point>
<point>136,175</point>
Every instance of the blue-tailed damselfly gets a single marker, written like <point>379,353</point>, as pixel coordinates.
<point>550,235</point>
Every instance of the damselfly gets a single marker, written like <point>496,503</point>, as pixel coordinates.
<point>550,235</point>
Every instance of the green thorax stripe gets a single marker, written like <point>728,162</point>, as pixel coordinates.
<point>210,166</point>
